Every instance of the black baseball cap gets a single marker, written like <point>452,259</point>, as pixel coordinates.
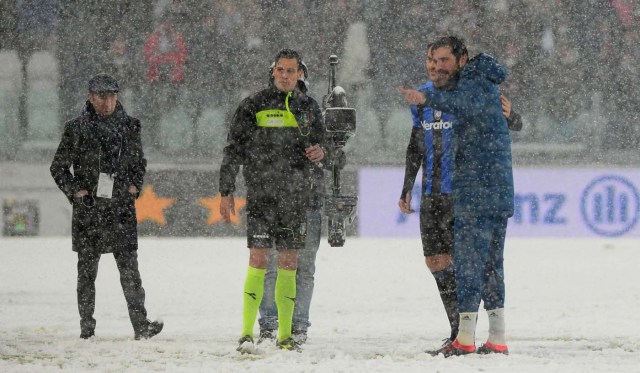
<point>103,83</point>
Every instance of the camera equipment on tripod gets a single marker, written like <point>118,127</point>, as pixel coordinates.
<point>340,124</point>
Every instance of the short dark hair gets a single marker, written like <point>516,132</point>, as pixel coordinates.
<point>456,44</point>
<point>429,46</point>
<point>289,53</point>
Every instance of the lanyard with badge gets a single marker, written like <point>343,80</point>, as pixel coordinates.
<point>105,180</point>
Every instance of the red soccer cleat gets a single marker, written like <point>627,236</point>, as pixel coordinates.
<point>454,349</point>
<point>490,348</point>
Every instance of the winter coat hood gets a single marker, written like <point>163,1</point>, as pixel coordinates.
<point>486,66</point>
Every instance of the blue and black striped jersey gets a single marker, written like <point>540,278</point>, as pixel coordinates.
<point>431,146</point>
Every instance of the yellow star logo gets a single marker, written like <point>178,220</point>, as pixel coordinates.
<point>151,207</point>
<point>213,204</point>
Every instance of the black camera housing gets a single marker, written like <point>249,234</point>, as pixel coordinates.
<point>340,123</point>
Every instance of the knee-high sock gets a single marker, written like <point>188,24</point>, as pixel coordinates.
<point>446,281</point>
<point>253,291</point>
<point>467,332</point>
<point>496,326</point>
<point>285,299</point>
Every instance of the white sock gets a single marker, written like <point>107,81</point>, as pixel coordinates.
<point>467,328</point>
<point>496,326</point>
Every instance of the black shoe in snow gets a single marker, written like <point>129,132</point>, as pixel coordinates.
<point>445,343</point>
<point>456,349</point>
<point>246,345</point>
<point>87,328</point>
<point>299,336</point>
<point>490,348</point>
<point>148,329</point>
<point>289,344</point>
<point>267,335</point>
<point>86,334</point>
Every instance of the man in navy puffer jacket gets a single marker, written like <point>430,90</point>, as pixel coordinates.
<point>482,188</point>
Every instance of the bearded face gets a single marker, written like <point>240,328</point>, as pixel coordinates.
<point>444,66</point>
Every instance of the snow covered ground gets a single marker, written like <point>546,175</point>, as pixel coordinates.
<point>572,306</point>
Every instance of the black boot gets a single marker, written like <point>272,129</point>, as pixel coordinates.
<point>148,329</point>
<point>87,328</point>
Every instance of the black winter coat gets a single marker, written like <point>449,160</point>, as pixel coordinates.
<point>92,144</point>
<point>273,157</point>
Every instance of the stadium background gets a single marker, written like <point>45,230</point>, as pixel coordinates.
<point>573,76</point>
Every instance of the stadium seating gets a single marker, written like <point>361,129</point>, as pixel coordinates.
<point>43,104</point>
<point>397,131</point>
<point>211,131</point>
<point>176,131</point>
<point>367,145</point>
<point>10,91</point>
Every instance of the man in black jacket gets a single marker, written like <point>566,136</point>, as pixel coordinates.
<point>275,135</point>
<point>306,269</point>
<point>104,149</point>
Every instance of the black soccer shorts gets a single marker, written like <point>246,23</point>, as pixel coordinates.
<point>436,224</point>
<point>279,221</point>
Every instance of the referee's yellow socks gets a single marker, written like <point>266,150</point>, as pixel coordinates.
<point>285,300</point>
<point>253,291</point>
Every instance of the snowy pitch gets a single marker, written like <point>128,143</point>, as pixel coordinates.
<point>572,306</point>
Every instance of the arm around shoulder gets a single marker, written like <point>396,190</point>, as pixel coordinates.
<point>514,121</point>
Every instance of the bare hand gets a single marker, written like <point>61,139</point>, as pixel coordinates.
<point>81,193</point>
<point>314,153</point>
<point>506,106</point>
<point>227,208</point>
<point>133,189</point>
<point>412,96</point>
<point>405,204</point>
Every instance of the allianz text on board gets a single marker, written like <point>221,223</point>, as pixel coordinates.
<point>548,203</point>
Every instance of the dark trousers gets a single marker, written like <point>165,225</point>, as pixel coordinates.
<point>479,261</point>
<point>127,262</point>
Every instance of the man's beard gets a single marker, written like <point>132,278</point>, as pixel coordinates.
<point>443,79</point>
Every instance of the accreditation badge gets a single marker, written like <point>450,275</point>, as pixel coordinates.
<point>105,186</point>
